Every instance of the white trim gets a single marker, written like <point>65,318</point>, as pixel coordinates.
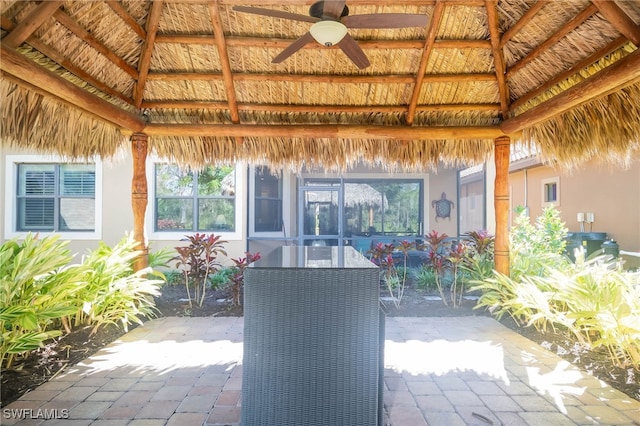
<point>11,168</point>
<point>544,182</point>
<point>239,170</point>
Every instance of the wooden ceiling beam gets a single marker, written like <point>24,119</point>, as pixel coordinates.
<point>615,76</point>
<point>52,54</point>
<point>591,59</point>
<point>147,51</point>
<point>31,23</point>
<point>524,20</point>
<point>471,3</point>
<point>319,109</point>
<point>498,56</point>
<point>432,32</point>
<point>92,41</point>
<point>227,73</point>
<point>281,43</point>
<point>325,131</point>
<point>619,19</point>
<point>557,36</point>
<point>326,78</point>
<point>26,70</point>
<point>119,9</point>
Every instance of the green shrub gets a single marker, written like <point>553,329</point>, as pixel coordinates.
<point>112,292</point>
<point>221,278</point>
<point>425,278</point>
<point>36,286</point>
<point>535,247</point>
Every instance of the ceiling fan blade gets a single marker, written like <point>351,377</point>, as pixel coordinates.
<point>351,48</point>
<point>275,13</point>
<point>333,9</point>
<point>293,48</point>
<point>385,20</point>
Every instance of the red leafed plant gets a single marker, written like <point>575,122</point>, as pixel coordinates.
<point>198,260</point>
<point>237,278</point>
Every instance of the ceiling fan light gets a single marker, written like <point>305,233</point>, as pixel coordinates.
<point>328,33</point>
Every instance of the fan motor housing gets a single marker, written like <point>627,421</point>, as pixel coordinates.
<point>317,10</point>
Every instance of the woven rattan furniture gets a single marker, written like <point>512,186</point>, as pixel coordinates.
<point>313,336</point>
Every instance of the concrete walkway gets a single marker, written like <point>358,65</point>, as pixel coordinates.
<point>438,371</point>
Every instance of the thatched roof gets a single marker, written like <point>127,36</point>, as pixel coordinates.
<point>79,77</point>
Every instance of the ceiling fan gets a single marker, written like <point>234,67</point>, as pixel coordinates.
<point>331,22</point>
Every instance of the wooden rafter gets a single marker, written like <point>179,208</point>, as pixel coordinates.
<point>594,57</point>
<point>23,69</point>
<point>117,7</point>
<point>617,75</point>
<point>325,131</point>
<point>66,64</point>
<point>92,41</point>
<point>277,3</point>
<point>147,50</point>
<point>281,43</point>
<point>227,73</point>
<point>562,32</point>
<point>325,78</point>
<point>498,56</point>
<point>320,109</point>
<point>619,20</point>
<point>31,23</point>
<point>424,59</point>
<point>524,19</point>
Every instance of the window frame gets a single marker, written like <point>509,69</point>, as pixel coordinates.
<point>256,198</point>
<point>12,163</point>
<point>543,183</point>
<point>177,235</point>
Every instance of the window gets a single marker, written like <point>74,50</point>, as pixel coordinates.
<point>551,192</point>
<point>200,201</point>
<point>268,201</point>
<point>55,197</point>
<point>471,199</point>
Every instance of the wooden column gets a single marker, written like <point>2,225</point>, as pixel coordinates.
<point>139,145</point>
<point>501,203</point>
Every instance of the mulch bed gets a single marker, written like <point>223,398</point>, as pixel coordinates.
<point>29,372</point>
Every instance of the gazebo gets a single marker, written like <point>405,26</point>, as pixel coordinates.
<point>410,85</point>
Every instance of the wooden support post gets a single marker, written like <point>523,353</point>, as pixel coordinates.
<point>501,203</point>
<point>139,145</point>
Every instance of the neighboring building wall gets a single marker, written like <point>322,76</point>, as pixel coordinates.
<point>613,195</point>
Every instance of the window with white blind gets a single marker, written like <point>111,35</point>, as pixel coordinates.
<point>56,197</point>
<point>45,195</point>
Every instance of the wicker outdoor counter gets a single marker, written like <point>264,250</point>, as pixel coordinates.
<point>313,337</point>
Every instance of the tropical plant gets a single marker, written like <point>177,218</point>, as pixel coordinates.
<point>112,292</point>
<point>35,288</point>
<point>198,260</point>
<point>382,255</point>
<point>437,245</point>
<point>424,277</point>
<point>536,247</point>
<point>456,257</point>
<point>222,278</point>
<point>237,278</point>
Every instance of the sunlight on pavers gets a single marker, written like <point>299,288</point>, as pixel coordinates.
<point>164,357</point>
<point>558,383</point>
<point>441,357</point>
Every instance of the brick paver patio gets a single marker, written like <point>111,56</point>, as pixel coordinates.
<point>438,371</point>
